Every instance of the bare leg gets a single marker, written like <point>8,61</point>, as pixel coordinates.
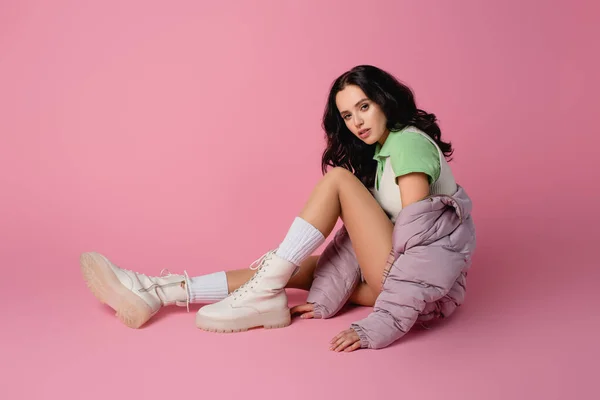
<point>362,296</point>
<point>302,280</point>
<point>341,194</point>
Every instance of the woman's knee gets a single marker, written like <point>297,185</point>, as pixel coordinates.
<point>339,174</point>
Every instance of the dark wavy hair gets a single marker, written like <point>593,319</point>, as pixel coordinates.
<point>397,102</point>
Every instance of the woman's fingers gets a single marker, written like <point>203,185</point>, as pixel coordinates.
<point>355,346</point>
<point>303,308</point>
<point>347,340</point>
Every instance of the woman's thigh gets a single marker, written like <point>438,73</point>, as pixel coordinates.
<point>368,226</point>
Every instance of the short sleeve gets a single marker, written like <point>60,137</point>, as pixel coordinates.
<point>411,152</point>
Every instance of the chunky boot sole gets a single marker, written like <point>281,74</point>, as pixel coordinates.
<point>270,320</point>
<point>104,284</point>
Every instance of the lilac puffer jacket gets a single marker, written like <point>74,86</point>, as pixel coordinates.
<point>433,242</point>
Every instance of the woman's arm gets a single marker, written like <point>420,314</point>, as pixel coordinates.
<point>414,187</point>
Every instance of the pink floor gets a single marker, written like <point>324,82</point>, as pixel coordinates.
<point>528,331</point>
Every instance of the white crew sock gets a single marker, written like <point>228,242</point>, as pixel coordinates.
<point>300,242</point>
<point>208,288</point>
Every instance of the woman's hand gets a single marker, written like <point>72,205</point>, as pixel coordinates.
<point>306,311</point>
<point>347,341</point>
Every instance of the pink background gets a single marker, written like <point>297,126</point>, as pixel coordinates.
<point>187,136</point>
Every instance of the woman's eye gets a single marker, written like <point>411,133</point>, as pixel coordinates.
<point>346,116</point>
<point>363,106</point>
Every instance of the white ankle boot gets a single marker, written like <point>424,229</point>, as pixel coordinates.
<point>261,301</point>
<point>134,296</point>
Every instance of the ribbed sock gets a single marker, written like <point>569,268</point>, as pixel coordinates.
<point>208,288</point>
<point>300,242</point>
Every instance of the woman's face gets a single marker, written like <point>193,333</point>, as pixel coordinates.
<point>363,117</point>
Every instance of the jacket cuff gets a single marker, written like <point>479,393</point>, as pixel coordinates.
<point>364,340</point>
<point>318,310</point>
<point>321,304</point>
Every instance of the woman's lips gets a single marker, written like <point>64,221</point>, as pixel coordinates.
<point>365,134</point>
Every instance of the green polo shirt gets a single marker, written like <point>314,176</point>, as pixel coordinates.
<point>409,152</point>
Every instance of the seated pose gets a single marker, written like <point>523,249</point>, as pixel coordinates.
<point>404,248</point>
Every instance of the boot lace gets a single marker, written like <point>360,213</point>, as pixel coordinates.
<point>257,266</point>
<point>165,273</point>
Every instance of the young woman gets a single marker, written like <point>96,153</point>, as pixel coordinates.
<point>404,249</point>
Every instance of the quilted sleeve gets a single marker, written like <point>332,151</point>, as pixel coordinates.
<point>421,275</point>
<point>336,276</point>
